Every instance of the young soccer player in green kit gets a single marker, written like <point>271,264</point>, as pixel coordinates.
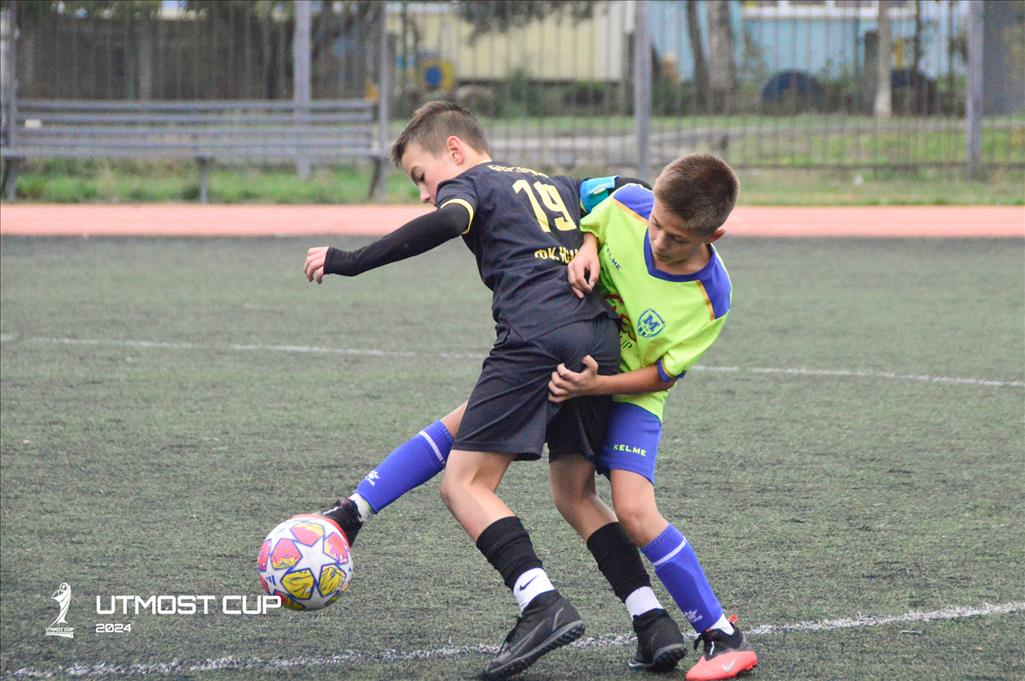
<point>653,254</point>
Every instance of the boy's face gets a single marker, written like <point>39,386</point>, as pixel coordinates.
<point>672,243</point>
<point>427,171</point>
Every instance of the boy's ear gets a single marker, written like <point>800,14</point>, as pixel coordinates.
<point>454,148</point>
<point>716,235</point>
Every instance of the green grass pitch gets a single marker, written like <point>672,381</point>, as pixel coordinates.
<point>166,402</point>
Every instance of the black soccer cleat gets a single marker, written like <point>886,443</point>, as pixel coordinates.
<point>660,644</point>
<point>547,623</point>
<point>346,515</point>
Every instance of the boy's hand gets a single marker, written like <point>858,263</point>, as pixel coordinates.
<point>566,384</point>
<point>583,270</point>
<point>314,267</point>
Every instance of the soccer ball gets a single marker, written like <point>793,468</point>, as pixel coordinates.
<point>306,561</point>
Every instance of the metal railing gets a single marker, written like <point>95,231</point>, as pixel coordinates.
<point>624,85</point>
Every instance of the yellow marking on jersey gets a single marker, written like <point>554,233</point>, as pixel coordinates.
<point>516,169</point>
<point>560,253</point>
<point>631,211</point>
<point>708,301</point>
<point>465,204</point>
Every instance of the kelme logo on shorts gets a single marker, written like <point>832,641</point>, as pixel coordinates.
<point>650,324</point>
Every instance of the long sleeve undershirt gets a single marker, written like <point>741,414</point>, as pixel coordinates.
<point>413,238</point>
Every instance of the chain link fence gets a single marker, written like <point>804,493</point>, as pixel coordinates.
<point>613,84</point>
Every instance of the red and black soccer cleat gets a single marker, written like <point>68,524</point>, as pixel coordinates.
<point>724,656</point>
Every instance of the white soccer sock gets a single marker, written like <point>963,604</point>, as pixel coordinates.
<point>364,508</point>
<point>723,625</point>
<point>642,600</point>
<point>529,585</point>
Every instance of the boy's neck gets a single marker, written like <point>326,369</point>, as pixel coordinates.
<point>472,160</point>
<point>690,266</point>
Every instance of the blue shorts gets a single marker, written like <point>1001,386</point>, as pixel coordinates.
<point>631,441</point>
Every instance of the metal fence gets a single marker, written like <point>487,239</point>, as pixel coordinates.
<point>614,84</point>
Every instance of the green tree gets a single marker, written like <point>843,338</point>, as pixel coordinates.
<point>497,16</point>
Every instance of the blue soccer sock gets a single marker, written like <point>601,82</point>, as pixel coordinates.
<point>677,566</point>
<point>410,465</point>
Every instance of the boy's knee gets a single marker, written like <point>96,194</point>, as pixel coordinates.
<point>449,489</point>
<point>566,502</point>
<point>640,519</point>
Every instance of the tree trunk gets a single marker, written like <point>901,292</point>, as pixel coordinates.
<point>145,39</point>
<point>723,76</point>
<point>702,88</point>
<point>916,53</point>
<point>266,56</point>
<point>883,107</point>
<point>920,103</point>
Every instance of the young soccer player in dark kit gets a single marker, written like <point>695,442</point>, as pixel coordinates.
<point>521,226</point>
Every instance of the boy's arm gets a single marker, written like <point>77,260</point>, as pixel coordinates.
<point>566,384</point>
<point>415,237</point>
<point>583,270</point>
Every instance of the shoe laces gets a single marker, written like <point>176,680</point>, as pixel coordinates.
<point>710,636</point>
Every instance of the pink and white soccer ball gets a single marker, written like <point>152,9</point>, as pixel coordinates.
<point>306,561</point>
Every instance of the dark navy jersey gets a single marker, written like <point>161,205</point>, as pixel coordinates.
<point>523,231</point>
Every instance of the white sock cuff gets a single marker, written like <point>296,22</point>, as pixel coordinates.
<point>723,625</point>
<point>529,585</point>
<point>642,600</point>
<point>363,506</point>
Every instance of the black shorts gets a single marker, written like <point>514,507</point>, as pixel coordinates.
<point>509,411</point>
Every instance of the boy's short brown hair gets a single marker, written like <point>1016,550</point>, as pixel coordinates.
<point>435,122</point>
<point>699,188</point>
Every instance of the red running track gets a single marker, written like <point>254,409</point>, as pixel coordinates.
<point>193,220</point>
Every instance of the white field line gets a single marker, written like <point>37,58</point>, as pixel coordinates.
<point>177,667</point>
<point>369,352</point>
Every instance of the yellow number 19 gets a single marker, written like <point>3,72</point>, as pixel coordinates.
<point>552,200</point>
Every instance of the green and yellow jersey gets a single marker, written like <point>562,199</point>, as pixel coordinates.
<point>667,320</point>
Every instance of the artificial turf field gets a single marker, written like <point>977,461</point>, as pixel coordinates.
<point>166,402</point>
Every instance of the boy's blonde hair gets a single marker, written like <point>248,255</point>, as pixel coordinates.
<point>701,189</point>
<point>435,122</point>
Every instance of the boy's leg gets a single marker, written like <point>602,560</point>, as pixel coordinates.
<point>509,412</point>
<point>410,465</point>
<point>575,495</point>
<point>629,454</point>
<point>674,560</point>
<point>468,489</point>
<point>573,489</point>
<point>660,643</point>
<point>547,620</point>
<point>727,652</point>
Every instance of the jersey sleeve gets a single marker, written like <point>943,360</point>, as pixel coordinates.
<point>594,190</point>
<point>685,354</point>
<point>459,191</point>
<point>596,221</point>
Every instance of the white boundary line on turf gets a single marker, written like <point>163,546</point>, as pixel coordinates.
<point>103,669</point>
<point>367,352</point>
